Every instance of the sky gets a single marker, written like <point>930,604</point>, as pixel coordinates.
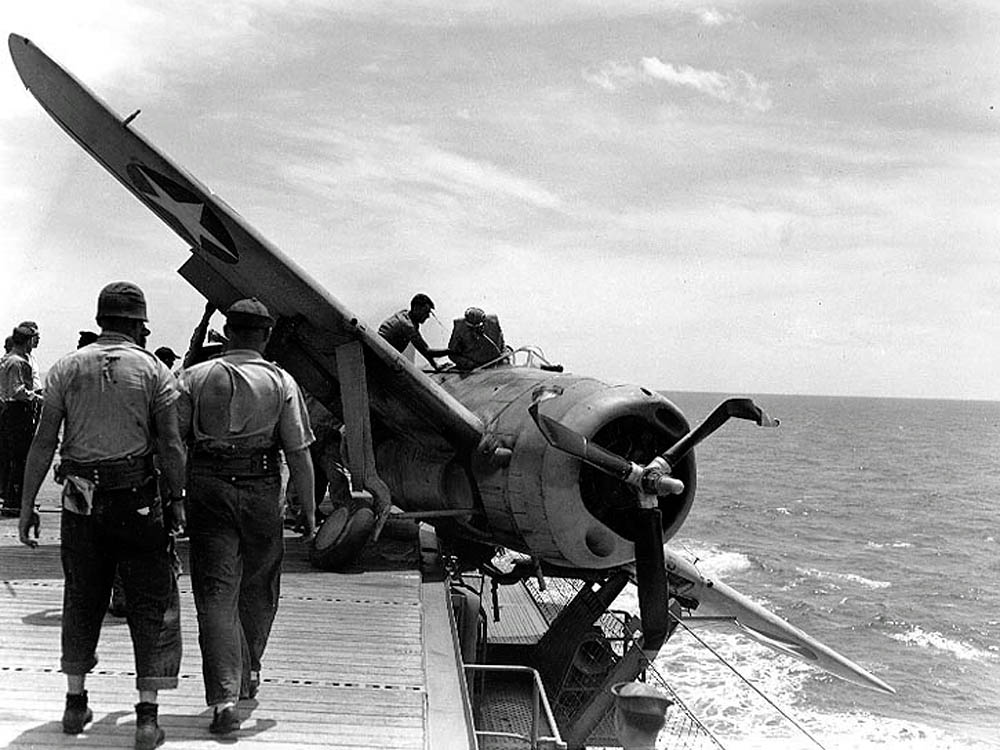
<point>776,196</point>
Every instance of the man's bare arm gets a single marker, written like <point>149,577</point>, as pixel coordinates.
<point>43,448</point>
<point>300,468</point>
<point>170,449</point>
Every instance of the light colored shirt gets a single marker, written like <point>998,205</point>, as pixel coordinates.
<point>36,375</point>
<point>240,403</point>
<point>108,394</point>
<point>16,379</point>
<point>400,331</point>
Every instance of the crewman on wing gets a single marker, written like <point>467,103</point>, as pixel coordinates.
<point>476,339</point>
<point>237,412</point>
<point>110,399</point>
<point>403,329</point>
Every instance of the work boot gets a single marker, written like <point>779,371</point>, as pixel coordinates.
<point>224,720</point>
<point>147,731</point>
<point>77,714</point>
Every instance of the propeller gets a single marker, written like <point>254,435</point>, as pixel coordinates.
<point>650,482</point>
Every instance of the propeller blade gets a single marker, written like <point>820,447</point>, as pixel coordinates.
<point>651,580</point>
<point>739,408</point>
<point>569,441</point>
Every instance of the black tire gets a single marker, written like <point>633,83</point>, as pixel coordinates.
<point>341,536</point>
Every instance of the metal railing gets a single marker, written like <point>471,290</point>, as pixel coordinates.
<point>540,709</point>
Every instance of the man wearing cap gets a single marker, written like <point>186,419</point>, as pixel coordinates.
<point>20,397</point>
<point>116,404</point>
<point>640,713</point>
<point>403,329</point>
<point>237,412</point>
<point>476,339</point>
<point>35,340</point>
<point>167,356</point>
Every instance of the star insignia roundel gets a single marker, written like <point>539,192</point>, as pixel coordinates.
<point>185,211</point>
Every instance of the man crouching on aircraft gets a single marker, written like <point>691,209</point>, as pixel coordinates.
<point>403,329</point>
<point>110,397</point>
<point>237,412</point>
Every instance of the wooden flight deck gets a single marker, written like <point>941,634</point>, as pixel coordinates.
<point>363,659</point>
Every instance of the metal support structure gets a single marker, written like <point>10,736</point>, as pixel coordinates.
<point>358,431</point>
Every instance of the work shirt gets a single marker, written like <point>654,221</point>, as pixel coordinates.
<point>400,331</point>
<point>240,404</point>
<point>16,378</point>
<point>36,374</point>
<point>470,347</point>
<point>108,394</point>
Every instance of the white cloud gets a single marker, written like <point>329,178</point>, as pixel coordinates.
<point>714,17</point>
<point>613,75</point>
<point>738,87</point>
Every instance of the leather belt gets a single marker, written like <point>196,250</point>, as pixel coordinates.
<point>116,474</point>
<point>261,464</point>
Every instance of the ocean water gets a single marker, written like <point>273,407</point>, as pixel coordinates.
<point>872,525</point>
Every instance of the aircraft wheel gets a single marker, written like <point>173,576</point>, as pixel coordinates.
<point>341,536</point>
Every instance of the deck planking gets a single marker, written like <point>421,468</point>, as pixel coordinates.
<point>348,664</point>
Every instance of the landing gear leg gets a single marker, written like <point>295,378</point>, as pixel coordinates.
<point>349,527</point>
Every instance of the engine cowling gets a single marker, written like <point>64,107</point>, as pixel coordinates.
<point>544,502</point>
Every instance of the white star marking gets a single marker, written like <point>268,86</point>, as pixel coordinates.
<point>188,214</point>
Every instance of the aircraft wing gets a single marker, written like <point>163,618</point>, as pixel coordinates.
<point>720,602</point>
<point>231,260</point>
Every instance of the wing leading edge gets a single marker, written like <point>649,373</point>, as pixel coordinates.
<point>230,259</point>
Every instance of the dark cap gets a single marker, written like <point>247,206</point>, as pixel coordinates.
<point>86,337</point>
<point>122,299</point>
<point>422,300</point>
<point>641,698</point>
<point>249,313</point>
<point>22,335</point>
<point>165,352</point>
<point>475,317</point>
<point>28,324</point>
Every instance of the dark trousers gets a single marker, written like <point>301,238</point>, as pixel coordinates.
<point>236,537</point>
<point>125,531</point>
<point>17,428</point>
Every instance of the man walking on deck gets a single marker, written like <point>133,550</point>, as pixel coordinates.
<point>237,412</point>
<point>110,399</point>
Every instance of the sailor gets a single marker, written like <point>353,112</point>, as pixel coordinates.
<point>110,399</point>
<point>35,339</point>
<point>403,329</point>
<point>238,411</point>
<point>640,713</point>
<point>19,398</point>
<point>476,340</point>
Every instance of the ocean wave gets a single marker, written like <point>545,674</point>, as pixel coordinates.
<point>713,562</point>
<point>849,577</point>
<point>743,720</point>
<point>890,545</point>
<point>917,636</point>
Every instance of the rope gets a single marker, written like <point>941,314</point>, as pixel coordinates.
<point>757,690</point>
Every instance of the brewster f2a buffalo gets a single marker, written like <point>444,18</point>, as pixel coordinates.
<point>579,479</point>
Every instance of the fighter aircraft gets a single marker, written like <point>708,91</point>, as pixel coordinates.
<point>582,478</point>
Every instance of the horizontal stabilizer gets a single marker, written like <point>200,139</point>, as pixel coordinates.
<point>717,600</point>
